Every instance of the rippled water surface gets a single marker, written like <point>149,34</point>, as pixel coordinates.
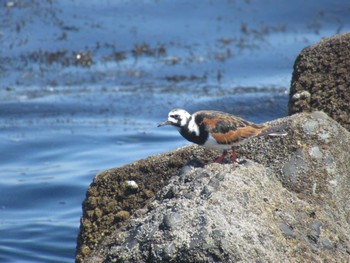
<point>84,84</point>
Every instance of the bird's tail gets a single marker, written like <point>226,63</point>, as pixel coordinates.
<point>280,130</point>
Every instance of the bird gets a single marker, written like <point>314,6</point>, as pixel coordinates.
<point>218,130</point>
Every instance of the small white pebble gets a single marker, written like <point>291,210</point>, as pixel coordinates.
<point>296,96</point>
<point>305,94</point>
<point>131,184</point>
<point>333,182</point>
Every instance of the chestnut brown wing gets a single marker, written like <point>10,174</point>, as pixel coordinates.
<point>226,128</point>
<point>236,136</point>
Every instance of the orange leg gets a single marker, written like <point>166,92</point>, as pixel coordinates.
<point>234,155</point>
<point>222,157</point>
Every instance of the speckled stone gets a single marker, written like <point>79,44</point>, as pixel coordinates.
<point>286,230</point>
<point>326,244</point>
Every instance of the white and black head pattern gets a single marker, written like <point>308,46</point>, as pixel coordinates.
<point>186,124</point>
<point>178,118</point>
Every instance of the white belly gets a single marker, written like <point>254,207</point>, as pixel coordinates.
<point>211,143</point>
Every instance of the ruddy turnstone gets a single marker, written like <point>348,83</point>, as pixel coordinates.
<point>218,130</point>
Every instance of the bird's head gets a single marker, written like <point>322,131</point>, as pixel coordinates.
<point>177,118</point>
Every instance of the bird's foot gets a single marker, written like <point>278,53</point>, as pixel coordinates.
<point>222,157</point>
<point>234,155</point>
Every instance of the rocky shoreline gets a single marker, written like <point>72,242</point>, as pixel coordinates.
<point>287,201</point>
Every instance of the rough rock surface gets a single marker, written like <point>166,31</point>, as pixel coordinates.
<point>321,79</point>
<point>110,199</point>
<point>287,202</point>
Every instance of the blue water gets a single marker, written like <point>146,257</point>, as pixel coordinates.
<point>63,122</point>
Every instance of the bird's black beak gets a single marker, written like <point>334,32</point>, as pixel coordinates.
<point>164,123</point>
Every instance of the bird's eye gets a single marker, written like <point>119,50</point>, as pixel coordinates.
<point>175,116</point>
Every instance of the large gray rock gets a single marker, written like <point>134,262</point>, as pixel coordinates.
<point>321,79</point>
<point>288,202</point>
<point>112,197</point>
